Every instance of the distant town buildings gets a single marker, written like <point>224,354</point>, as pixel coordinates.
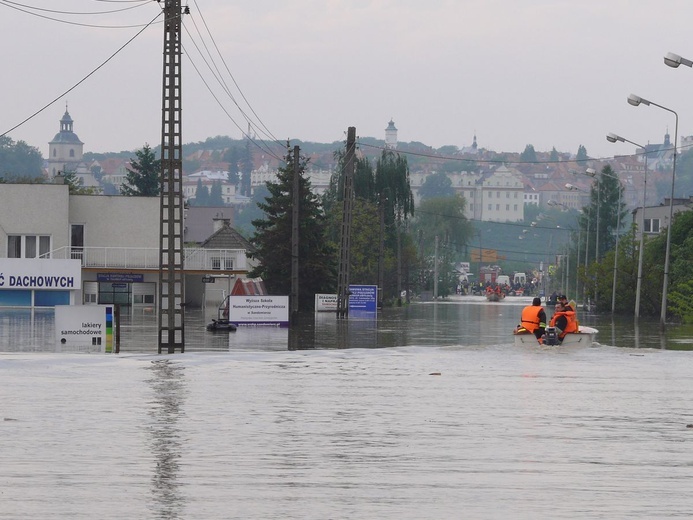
<point>495,190</point>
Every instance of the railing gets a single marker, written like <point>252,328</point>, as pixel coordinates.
<point>195,258</point>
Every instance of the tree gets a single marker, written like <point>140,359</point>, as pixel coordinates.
<point>436,185</point>
<point>395,204</point>
<point>554,157</point>
<point>581,154</point>
<point>143,174</point>
<point>74,185</point>
<point>442,218</point>
<point>233,157</point>
<point>528,155</point>
<point>201,194</point>
<point>272,239</point>
<point>215,194</point>
<point>19,160</point>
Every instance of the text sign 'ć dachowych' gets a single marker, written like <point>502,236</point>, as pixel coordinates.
<point>40,273</point>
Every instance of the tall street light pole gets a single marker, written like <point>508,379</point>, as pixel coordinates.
<point>612,138</point>
<point>635,101</point>
<point>572,187</point>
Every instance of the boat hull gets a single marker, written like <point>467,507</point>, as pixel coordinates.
<point>584,337</point>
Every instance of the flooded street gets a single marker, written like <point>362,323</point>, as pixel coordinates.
<point>428,412</point>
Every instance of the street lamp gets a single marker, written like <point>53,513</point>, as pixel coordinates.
<point>572,187</point>
<point>554,203</point>
<point>635,101</point>
<point>674,60</point>
<point>612,138</point>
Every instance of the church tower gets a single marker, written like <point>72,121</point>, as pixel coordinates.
<point>65,150</point>
<point>391,135</point>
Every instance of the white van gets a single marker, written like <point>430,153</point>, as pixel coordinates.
<point>503,279</point>
<point>520,278</point>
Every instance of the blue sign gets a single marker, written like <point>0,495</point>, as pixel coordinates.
<point>363,298</point>
<point>119,277</point>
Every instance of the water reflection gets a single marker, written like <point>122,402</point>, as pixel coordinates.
<point>168,385</point>
<point>462,321</point>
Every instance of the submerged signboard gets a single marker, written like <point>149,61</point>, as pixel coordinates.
<point>84,325</point>
<point>259,310</point>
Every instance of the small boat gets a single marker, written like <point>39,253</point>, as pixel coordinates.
<point>222,323</point>
<point>494,297</point>
<point>584,337</point>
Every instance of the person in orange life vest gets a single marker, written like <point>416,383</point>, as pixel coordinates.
<point>564,320</point>
<point>534,318</point>
<point>564,301</point>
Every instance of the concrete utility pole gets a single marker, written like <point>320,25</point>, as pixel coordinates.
<point>295,197</point>
<point>347,218</point>
<point>171,277</point>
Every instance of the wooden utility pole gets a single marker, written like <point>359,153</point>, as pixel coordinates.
<point>171,277</point>
<point>347,218</point>
<point>295,197</point>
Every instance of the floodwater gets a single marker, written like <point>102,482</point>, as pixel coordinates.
<point>428,412</point>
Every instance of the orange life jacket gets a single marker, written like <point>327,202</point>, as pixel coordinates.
<point>530,318</point>
<point>571,325</point>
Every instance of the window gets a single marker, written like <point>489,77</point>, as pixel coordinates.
<point>507,194</point>
<point>72,152</point>
<point>507,207</point>
<point>490,207</point>
<point>497,207</point>
<point>651,225</point>
<point>515,207</point>
<point>28,246</point>
<point>77,241</point>
<point>490,194</point>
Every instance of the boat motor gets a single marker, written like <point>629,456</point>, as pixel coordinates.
<point>551,336</point>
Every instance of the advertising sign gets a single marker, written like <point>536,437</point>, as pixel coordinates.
<point>259,310</point>
<point>325,303</point>
<point>40,273</point>
<point>363,298</point>
<point>84,326</point>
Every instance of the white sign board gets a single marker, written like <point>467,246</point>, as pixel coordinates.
<point>259,310</point>
<point>325,303</point>
<point>84,325</point>
<point>40,273</point>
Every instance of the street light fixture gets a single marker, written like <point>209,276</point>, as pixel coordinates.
<point>674,60</point>
<point>635,101</point>
<point>613,138</point>
<point>572,187</point>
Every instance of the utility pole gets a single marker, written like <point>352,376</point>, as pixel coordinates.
<point>293,304</point>
<point>347,218</point>
<point>171,277</point>
<point>435,270</point>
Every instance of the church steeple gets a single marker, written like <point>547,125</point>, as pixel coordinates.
<point>65,151</point>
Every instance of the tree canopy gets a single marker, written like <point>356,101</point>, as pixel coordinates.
<point>273,236</point>
<point>143,174</point>
<point>19,160</point>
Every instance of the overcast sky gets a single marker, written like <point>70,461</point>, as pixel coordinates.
<point>551,73</point>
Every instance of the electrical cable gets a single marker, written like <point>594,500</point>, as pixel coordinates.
<point>83,79</point>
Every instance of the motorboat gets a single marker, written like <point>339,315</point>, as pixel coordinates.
<point>222,323</point>
<point>494,296</point>
<point>583,337</point>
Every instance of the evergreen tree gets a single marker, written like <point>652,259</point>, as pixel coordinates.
<point>272,239</point>
<point>581,154</point>
<point>215,195</point>
<point>529,154</point>
<point>143,174</point>
<point>201,194</point>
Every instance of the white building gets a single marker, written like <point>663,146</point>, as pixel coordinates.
<point>113,239</point>
<point>391,135</point>
<point>498,196</point>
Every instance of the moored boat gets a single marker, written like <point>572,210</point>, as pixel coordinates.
<point>584,337</point>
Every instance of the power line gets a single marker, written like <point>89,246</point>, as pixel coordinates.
<point>83,79</point>
<point>28,10</point>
